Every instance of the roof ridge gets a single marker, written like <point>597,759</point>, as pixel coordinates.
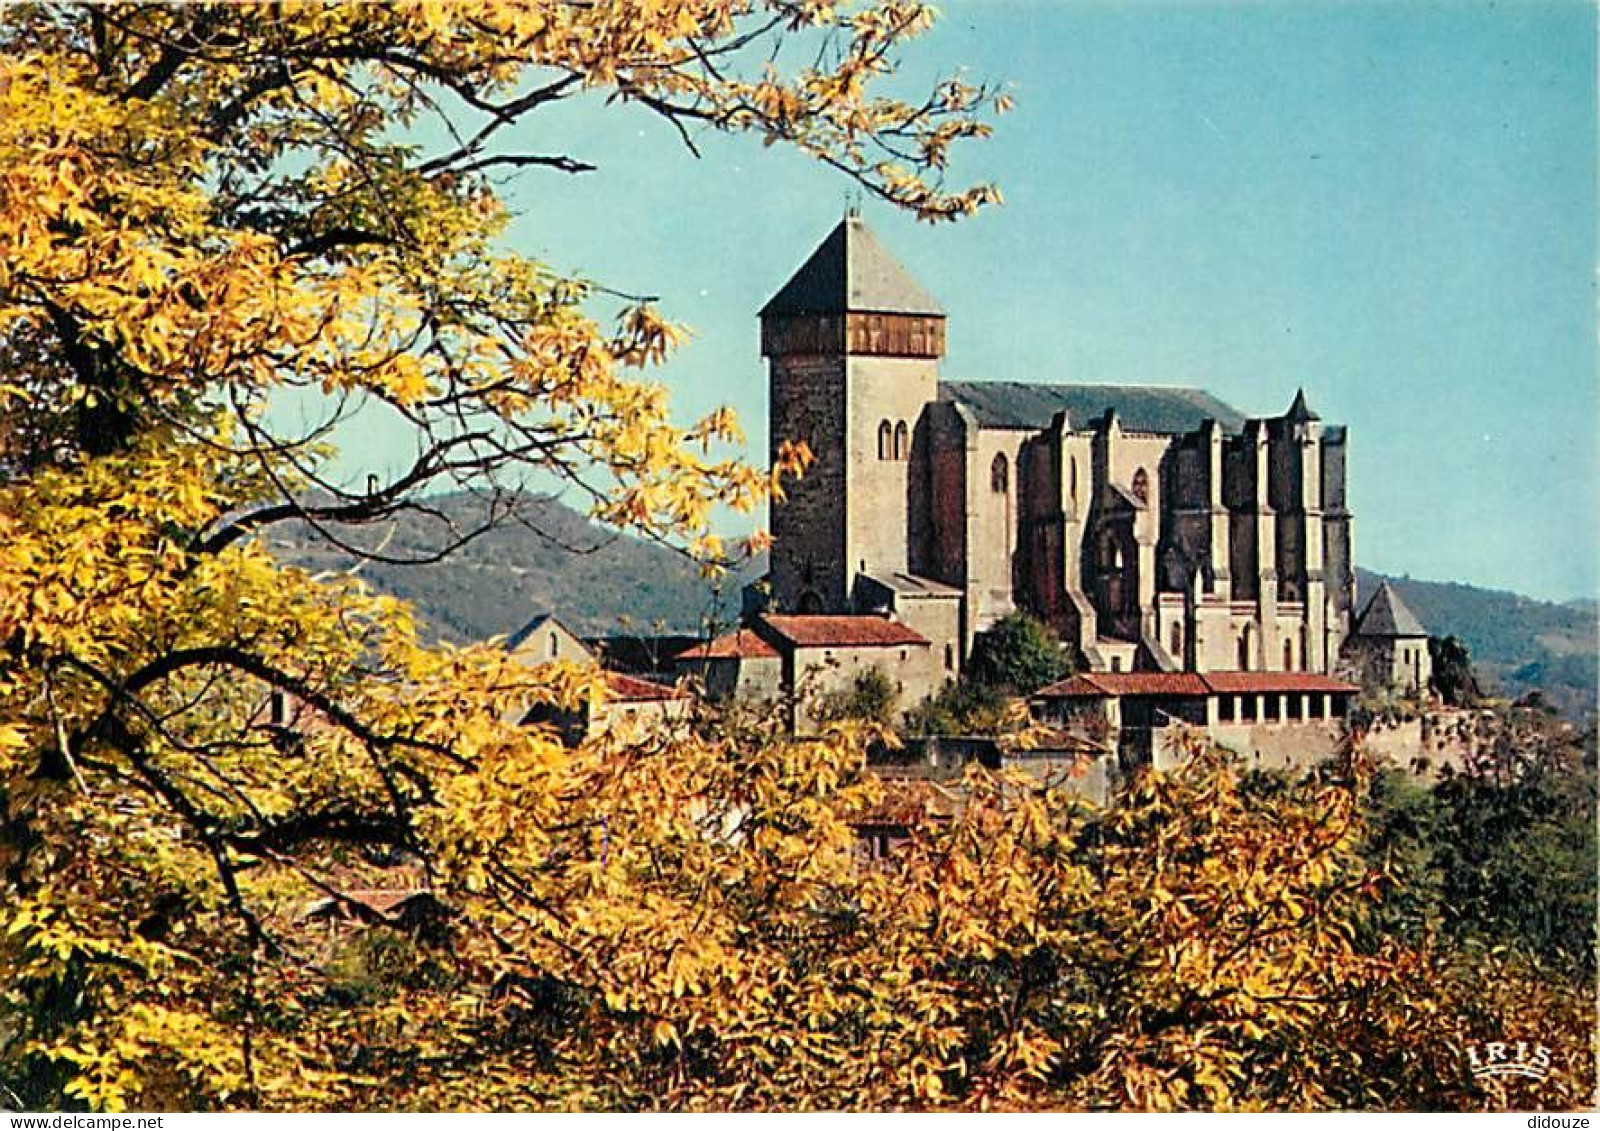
<point>852,271</point>
<point>1387,614</point>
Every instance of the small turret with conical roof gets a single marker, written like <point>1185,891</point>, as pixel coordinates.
<point>1386,615</point>
<point>1391,644</point>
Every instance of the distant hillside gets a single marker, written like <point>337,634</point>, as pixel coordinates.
<point>551,560</point>
<point>1518,643</point>
<point>602,583</point>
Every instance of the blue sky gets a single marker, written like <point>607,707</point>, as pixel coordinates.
<point>1392,205</point>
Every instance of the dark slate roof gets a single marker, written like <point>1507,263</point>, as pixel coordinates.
<point>910,585</point>
<point>1386,615</point>
<point>851,271</point>
<point>1140,408</point>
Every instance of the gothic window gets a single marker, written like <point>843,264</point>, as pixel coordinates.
<point>885,434</point>
<point>999,475</point>
<point>902,441</point>
<point>1288,655</point>
<point>1141,485</point>
<point>555,646</point>
<point>949,657</point>
<point>1177,640</point>
<point>1072,476</point>
<point>1244,650</point>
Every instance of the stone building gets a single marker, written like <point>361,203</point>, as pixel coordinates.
<point>1389,647</point>
<point>543,639</point>
<point>813,657</point>
<point>1274,719</point>
<point>1154,528</point>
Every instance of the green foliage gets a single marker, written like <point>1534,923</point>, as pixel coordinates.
<point>1501,856</point>
<point>1402,842</point>
<point>959,708</point>
<point>373,964</point>
<point>598,581</point>
<point>1453,677</point>
<point>1517,848</point>
<point>1017,656</point>
<point>870,698</point>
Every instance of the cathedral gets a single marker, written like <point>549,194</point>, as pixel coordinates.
<point>1154,528</point>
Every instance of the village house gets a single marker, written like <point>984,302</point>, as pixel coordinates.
<point>1275,720</point>
<point>801,660</point>
<point>628,701</point>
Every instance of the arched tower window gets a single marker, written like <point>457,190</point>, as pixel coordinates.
<point>1072,478</point>
<point>1244,650</point>
<point>1288,655</point>
<point>902,441</point>
<point>999,475</point>
<point>885,440</point>
<point>1141,485</point>
<point>1176,640</point>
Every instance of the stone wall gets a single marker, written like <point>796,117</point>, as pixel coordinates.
<point>884,399</point>
<point>992,522</point>
<point>937,619</point>
<point>756,678</point>
<point>1428,744</point>
<point>914,671</point>
<point>1292,745</point>
<point>550,641</point>
<point>807,402</point>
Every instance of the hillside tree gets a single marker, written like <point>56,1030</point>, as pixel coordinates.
<point>204,207</point>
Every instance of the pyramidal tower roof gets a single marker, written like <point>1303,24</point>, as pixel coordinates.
<point>852,271</point>
<point>1387,615</point>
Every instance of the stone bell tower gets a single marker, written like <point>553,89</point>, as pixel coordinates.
<point>853,345</point>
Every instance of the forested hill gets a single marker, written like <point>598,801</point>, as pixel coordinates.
<point>553,559</point>
<point>1521,644</point>
<point>599,582</point>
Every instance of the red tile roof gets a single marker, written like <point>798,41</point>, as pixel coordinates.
<point>1233,683</point>
<point>1108,685</point>
<point>843,632</point>
<point>626,689</point>
<point>1100,685</point>
<point>740,645</point>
